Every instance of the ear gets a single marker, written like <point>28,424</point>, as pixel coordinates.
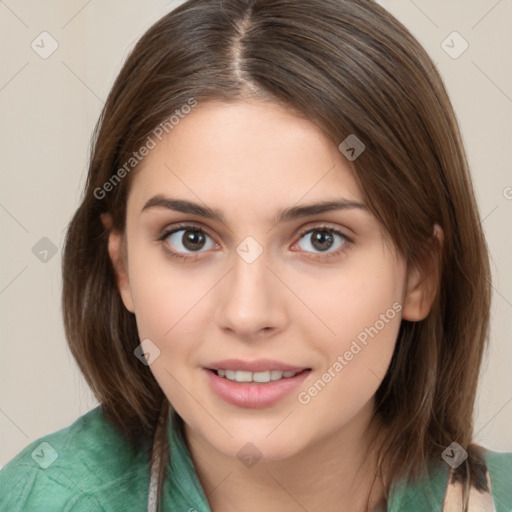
<point>422,284</point>
<point>118,258</point>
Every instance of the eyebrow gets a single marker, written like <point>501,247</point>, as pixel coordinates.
<point>286,215</point>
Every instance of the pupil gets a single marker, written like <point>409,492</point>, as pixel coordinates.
<point>322,240</point>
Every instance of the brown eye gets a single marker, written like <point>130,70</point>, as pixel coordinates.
<point>324,239</point>
<point>324,243</point>
<point>193,240</point>
<point>187,239</point>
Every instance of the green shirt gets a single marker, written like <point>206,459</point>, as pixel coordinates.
<point>88,467</point>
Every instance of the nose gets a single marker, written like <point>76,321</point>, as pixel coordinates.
<point>251,300</point>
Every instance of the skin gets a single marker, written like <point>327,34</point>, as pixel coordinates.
<point>285,305</point>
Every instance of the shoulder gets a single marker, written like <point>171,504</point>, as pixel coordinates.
<point>85,466</point>
<point>499,465</point>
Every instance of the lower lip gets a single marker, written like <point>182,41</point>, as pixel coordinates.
<point>254,395</point>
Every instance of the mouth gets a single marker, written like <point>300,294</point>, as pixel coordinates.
<point>254,385</point>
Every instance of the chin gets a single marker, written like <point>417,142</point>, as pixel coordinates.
<point>262,448</point>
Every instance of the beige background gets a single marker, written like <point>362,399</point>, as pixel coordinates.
<point>48,110</point>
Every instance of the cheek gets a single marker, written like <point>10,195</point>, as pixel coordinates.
<point>361,313</point>
<point>362,295</point>
<point>173,310</point>
<point>169,311</point>
<point>355,360</point>
<point>367,310</point>
<point>166,296</point>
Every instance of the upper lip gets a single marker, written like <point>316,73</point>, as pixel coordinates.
<point>259,365</point>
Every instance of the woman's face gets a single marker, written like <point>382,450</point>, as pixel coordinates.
<point>317,290</point>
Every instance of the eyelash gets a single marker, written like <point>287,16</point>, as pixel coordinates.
<point>316,256</point>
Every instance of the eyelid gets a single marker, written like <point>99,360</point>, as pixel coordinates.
<point>167,231</point>
<point>319,225</point>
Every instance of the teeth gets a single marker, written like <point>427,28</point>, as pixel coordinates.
<point>243,376</point>
<point>261,376</point>
<point>276,375</point>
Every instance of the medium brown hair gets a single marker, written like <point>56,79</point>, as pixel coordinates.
<point>351,68</point>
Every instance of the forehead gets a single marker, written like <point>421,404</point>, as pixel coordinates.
<point>244,153</point>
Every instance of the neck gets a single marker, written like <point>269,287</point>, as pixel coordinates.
<point>337,472</point>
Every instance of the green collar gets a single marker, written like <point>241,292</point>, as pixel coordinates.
<point>424,495</point>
